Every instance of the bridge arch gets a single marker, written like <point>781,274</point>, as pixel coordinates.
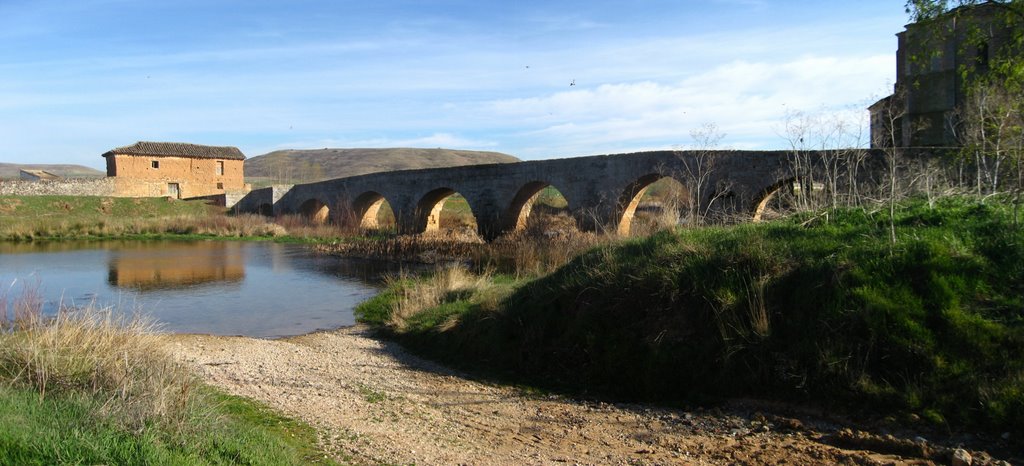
<point>793,187</point>
<point>634,193</point>
<point>315,211</point>
<point>430,208</point>
<point>265,209</point>
<point>366,209</point>
<point>517,215</point>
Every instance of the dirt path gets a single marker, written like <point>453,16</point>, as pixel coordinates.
<point>373,403</point>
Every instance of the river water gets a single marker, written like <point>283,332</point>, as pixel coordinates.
<point>217,287</point>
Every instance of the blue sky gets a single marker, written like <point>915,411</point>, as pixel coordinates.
<point>80,77</point>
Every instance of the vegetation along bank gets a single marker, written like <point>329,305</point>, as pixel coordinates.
<point>49,218</point>
<point>819,307</point>
<point>88,387</point>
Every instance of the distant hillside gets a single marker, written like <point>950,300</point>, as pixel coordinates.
<point>9,171</point>
<point>285,166</point>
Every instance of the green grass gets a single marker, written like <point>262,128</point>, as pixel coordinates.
<point>91,208</point>
<point>456,212</point>
<point>65,429</point>
<point>551,197</point>
<point>820,308</point>
<point>372,396</point>
<point>62,217</point>
<point>88,387</point>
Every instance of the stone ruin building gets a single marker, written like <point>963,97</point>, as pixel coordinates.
<point>932,59</point>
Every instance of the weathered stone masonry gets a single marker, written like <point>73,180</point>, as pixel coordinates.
<point>63,187</point>
<point>600,190</point>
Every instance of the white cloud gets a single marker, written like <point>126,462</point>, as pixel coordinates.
<point>748,100</point>
<point>445,140</point>
<point>444,84</point>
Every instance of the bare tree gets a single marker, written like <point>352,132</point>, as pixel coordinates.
<point>993,131</point>
<point>889,140</point>
<point>698,170</point>
<point>826,155</point>
<point>797,128</point>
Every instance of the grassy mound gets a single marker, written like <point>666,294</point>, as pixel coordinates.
<point>822,308</point>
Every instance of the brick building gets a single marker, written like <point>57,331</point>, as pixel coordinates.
<point>176,169</point>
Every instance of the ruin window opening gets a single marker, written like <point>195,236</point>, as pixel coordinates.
<point>155,164</point>
<point>220,167</point>
<point>220,185</point>
<point>981,59</point>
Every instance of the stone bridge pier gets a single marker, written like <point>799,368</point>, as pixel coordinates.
<point>602,191</point>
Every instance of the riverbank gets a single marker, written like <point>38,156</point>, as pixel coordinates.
<point>87,386</point>
<point>374,403</point>
<point>822,309</point>
<point>63,218</point>
<point>770,301</point>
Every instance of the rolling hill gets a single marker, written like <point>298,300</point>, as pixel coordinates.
<point>288,166</point>
<point>9,171</point>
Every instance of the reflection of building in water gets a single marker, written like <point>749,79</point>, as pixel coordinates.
<point>168,265</point>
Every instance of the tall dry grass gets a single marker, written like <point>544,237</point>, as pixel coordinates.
<point>300,226</point>
<point>526,253</point>
<point>220,225</point>
<point>96,352</point>
<point>445,284</point>
<point>245,225</point>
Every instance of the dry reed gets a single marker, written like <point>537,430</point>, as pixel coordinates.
<point>525,253</point>
<point>93,351</point>
<point>220,225</point>
<point>419,295</point>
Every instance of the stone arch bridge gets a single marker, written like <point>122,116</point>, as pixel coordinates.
<point>602,191</point>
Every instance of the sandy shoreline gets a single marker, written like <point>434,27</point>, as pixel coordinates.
<point>374,403</point>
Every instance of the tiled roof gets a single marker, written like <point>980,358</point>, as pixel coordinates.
<point>178,149</point>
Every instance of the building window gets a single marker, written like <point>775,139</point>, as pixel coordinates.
<point>155,164</point>
<point>220,167</point>
<point>220,185</point>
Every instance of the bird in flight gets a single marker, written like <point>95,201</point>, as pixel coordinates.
<point>573,83</point>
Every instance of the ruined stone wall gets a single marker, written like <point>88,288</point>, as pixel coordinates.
<point>195,177</point>
<point>109,186</point>
<point>64,187</point>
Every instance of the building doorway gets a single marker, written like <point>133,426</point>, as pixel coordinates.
<point>173,190</point>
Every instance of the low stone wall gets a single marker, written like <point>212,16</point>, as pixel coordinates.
<point>261,200</point>
<point>232,198</point>
<point>64,187</point>
<point>105,187</point>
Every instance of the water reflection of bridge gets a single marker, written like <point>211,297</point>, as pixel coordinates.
<point>162,265</point>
